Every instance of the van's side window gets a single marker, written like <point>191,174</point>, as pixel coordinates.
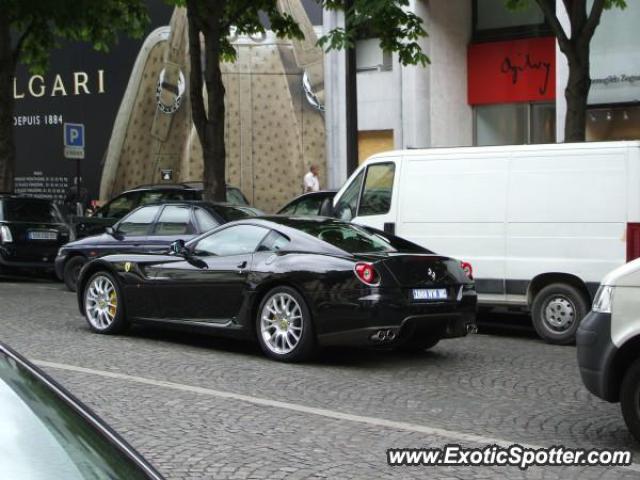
<point>348,204</point>
<point>378,186</point>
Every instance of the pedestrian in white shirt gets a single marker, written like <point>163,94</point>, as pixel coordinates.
<point>311,182</point>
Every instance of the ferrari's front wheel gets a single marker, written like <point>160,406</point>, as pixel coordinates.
<point>284,327</point>
<point>103,304</point>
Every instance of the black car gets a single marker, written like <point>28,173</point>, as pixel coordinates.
<point>119,206</point>
<point>148,229</point>
<point>312,203</point>
<point>47,433</point>
<point>291,283</point>
<point>31,231</point>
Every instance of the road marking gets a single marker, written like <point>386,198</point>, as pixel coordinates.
<point>295,407</point>
<point>42,286</point>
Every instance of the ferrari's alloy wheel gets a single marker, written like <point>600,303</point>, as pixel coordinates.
<point>101,302</point>
<point>281,323</point>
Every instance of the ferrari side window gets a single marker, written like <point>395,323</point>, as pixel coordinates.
<point>237,240</point>
<point>274,242</point>
<point>279,242</point>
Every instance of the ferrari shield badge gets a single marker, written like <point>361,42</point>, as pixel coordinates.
<point>127,266</point>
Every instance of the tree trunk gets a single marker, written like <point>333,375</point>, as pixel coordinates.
<point>7,145</point>
<point>209,122</point>
<point>576,94</point>
<point>214,151</point>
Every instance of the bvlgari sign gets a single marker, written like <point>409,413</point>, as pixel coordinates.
<point>80,85</point>
<point>76,83</point>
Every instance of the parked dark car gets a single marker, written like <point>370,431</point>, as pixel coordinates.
<point>31,232</point>
<point>47,433</point>
<point>291,283</point>
<point>119,206</point>
<point>147,229</point>
<point>312,203</point>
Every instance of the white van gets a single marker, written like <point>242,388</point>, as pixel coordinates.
<point>540,224</point>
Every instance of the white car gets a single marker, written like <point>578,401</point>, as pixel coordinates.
<point>609,343</point>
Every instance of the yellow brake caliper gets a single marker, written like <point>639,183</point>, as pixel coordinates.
<point>113,300</point>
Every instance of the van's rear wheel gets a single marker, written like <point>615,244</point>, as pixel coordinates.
<point>556,312</point>
<point>630,398</point>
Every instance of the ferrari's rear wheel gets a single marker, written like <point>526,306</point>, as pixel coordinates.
<point>284,327</point>
<point>103,304</point>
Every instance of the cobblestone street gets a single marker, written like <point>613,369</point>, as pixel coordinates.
<point>200,407</point>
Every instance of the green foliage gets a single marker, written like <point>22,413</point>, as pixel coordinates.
<point>39,25</point>
<point>615,3</point>
<point>388,20</point>
<point>398,29</point>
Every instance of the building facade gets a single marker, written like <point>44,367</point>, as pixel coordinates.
<point>496,78</point>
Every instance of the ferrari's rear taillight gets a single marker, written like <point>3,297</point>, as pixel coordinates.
<point>5,234</point>
<point>468,269</point>
<point>367,274</point>
<point>633,241</point>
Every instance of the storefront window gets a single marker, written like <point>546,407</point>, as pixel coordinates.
<point>501,124</point>
<point>515,124</point>
<point>615,123</point>
<point>543,123</point>
<point>493,21</point>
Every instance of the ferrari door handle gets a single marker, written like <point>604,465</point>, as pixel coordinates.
<point>241,268</point>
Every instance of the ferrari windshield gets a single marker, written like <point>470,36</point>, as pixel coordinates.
<point>350,238</point>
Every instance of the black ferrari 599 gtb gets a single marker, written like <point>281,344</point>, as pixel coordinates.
<point>292,284</point>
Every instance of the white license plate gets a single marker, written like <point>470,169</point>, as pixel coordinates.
<point>43,236</point>
<point>430,294</point>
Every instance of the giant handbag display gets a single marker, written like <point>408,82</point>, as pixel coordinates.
<point>274,115</point>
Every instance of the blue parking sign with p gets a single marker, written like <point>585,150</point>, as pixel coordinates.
<point>74,135</point>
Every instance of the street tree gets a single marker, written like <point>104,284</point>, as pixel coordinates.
<point>575,45</point>
<point>210,25</point>
<point>30,29</point>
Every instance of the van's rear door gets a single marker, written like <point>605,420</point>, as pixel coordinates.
<point>453,202</point>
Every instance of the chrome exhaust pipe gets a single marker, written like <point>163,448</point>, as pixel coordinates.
<point>382,336</point>
<point>379,336</point>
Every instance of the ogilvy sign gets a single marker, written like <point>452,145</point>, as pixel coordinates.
<point>512,71</point>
